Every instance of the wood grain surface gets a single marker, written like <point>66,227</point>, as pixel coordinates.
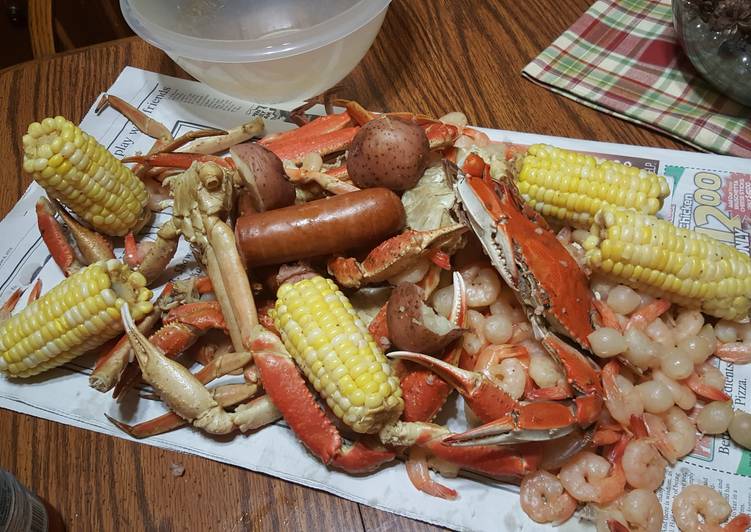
<point>431,56</point>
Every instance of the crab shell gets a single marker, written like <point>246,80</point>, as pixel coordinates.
<point>546,279</point>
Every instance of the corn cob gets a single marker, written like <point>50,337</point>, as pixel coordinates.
<point>80,173</point>
<point>336,353</point>
<point>571,187</point>
<point>683,266</point>
<point>77,315</point>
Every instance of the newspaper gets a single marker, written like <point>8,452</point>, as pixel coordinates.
<point>710,193</point>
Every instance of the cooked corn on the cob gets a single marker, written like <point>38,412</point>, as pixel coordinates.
<point>336,353</point>
<point>571,187</point>
<point>80,173</point>
<point>77,315</point>
<point>680,265</point>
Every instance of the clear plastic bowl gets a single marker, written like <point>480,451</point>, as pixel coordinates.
<point>265,51</point>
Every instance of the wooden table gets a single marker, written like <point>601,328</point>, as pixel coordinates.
<point>431,56</point>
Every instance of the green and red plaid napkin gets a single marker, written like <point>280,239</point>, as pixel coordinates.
<point>622,57</point>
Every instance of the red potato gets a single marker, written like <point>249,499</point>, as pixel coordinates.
<point>321,227</point>
<point>414,326</point>
<point>388,152</point>
<point>263,175</point>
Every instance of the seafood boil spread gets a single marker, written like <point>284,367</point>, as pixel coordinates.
<point>361,268</point>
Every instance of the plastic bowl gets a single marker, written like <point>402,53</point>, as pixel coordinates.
<point>265,51</point>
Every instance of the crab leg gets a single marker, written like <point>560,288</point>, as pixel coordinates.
<point>506,420</point>
<point>181,329</point>
<point>323,179</point>
<point>320,126</point>
<point>141,120</point>
<point>109,366</point>
<point>391,257</point>
<point>289,392</point>
<point>152,258</point>
<point>237,302</point>
<point>295,149</point>
<point>225,395</point>
<point>181,160</point>
<point>92,246</point>
<point>219,141</point>
<point>504,463</point>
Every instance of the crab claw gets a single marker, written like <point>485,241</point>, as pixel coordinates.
<point>506,420</point>
<point>176,386</point>
<point>392,256</point>
<point>488,401</point>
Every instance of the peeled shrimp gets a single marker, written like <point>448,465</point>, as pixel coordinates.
<point>623,300</point>
<point>621,398</point>
<point>674,433</point>
<point>643,465</point>
<point>509,374</point>
<point>688,323</point>
<point>483,285</point>
<point>642,511</point>
<point>700,508</point>
<point>589,477</point>
<point>543,498</point>
<point>658,331</point>
<point>682,394</point>
<point>708,382</point>
<point>543,370</point>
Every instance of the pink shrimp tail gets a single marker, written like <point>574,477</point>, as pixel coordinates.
<point>736,352</point>
<point>419,474</point>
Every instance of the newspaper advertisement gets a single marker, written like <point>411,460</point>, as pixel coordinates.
<point>709,193</point>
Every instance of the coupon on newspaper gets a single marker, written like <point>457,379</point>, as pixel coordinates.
<point>710,194</point>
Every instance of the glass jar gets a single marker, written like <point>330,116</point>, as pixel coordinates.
<point>20,510</point>
<point>723,58</point>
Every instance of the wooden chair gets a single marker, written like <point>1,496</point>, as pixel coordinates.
<point>45,27</point>
<point>40,28</point>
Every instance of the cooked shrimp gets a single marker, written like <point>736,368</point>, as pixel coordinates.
<point>715,417</point>
<point>648,313</point>
<point>688,323</point>
<point>521,331</point>
<point>682,394</point>
<point>736,352</point>
<point>544,500</point>
<point>510,375</point>
<point>642,510</point>
<point>673,431</point>
<point>621,398</point>
<point>659,331</point>
<point>542,368</point>
<point>643,465</point>
<point>589,477</point>
<point>623,300</point>
<point>642,352</point>
<point>419,473</point>
<point>699,508</point>
<point>483,285</point>
<point>708,382</point>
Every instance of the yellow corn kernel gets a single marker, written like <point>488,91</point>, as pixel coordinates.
<point>337,354</point>
<point>683,266</point>
<point>77,315</point>
<point>572,187</point>
<point>80,173</point>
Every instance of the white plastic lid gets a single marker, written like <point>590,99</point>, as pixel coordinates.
<point>243,31</point>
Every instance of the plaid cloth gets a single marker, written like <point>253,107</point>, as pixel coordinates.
<point>622,57</point>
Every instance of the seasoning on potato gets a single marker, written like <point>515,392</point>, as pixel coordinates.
<point>413,325</point>
<point>388,152</point>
